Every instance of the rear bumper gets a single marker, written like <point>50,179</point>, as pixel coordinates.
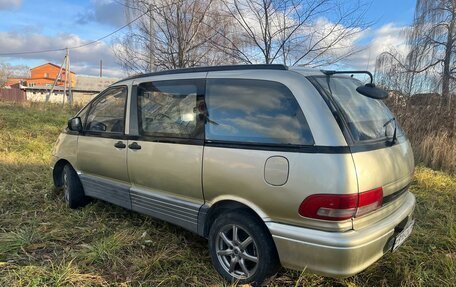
<point>338,254</point>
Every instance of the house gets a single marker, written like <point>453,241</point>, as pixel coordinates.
<point>14,83</point>
<point>42,76</point>
<point>38,86</point>
<point>85,89</point>
<point>46,74</point>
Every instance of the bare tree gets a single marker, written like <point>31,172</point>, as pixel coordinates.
<point>294,32</point>
<point>433,39</point>
<point>210,32</point>
<point>430,62</point>
<point>181,37</point>
<point>389,73</point>
<point>9,71</point>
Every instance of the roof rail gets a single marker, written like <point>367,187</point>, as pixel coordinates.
<point>210,69</point>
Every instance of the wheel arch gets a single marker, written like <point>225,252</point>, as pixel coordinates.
<point>230,204</point>
<point>57,172</point>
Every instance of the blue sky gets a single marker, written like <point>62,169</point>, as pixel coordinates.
<point>35,25</point>
<point>392,11</point>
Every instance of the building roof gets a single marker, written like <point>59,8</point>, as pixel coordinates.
<point>93,83</point>
<point>58,67</point>
<point>83,84</point>
<point>56,89</point>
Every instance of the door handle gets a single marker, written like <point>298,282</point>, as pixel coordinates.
<point>120,144</point>
<point>134,145</point>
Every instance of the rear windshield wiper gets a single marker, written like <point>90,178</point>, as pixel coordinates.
<point>394,139</point>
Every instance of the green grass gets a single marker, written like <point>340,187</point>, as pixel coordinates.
<point>42,243</point>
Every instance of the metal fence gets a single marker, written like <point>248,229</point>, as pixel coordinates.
<point>12,95</point>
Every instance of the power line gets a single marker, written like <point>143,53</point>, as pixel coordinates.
<point>75,47</point>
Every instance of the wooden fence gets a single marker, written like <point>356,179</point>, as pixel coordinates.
<point>12,95</point>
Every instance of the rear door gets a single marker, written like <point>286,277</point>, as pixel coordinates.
<point>165,157</point>
<point>369,126</point>
<point>102,153</point>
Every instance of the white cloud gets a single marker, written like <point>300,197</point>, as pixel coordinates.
<point>84,60</point>
<point>104,12</point>
<point>337,39</point>
<point>385,38</point>
<point>10,4</point>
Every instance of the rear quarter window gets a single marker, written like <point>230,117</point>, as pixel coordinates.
<point>254,111</point>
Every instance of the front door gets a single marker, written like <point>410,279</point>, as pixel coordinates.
<point>102,152</point>
<point>165,159</point>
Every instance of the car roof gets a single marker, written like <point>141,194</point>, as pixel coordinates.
<point>278,67</point>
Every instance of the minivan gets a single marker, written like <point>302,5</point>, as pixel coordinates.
<point>274,165</point>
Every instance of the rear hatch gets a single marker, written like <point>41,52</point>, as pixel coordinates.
<point>381,152</point>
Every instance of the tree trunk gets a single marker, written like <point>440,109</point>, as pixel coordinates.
<point>447,63</point>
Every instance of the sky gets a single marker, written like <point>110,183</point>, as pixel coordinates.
<point>30,25</point>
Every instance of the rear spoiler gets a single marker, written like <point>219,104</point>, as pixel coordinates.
<point>332,72</point>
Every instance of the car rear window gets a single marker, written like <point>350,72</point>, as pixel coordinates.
<point>367,119</point>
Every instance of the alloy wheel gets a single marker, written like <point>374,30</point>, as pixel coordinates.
<point>237,251</point>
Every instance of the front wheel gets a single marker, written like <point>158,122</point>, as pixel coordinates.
<point>72,188</point>
<point>242,250</point>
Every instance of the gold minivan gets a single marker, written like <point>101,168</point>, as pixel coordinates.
<point>297,167</point>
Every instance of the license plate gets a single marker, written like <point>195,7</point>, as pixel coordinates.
<point>401,237</point>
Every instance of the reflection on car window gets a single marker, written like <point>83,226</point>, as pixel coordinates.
<point>107,112</point>
<point>365,116</point>
<point>254,111</point>
<point>169,109</point>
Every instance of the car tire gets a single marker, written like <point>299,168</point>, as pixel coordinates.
<point>242,249</point>
<point>72,188</point>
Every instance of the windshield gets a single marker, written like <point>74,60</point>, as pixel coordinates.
<point>368,119</point>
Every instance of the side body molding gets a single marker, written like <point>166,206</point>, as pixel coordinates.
<point>170,209</point>
<point>186,214</point>
<point>107,190</point>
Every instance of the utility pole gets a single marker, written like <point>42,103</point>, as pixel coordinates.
<point>151,37</point>
<point>101,68</point>
<point>65,79</point>
<point>55,81</point>
<point>70,92</point>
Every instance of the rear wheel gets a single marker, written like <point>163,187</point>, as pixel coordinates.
<point>72,188</point>
<point>242,249</point>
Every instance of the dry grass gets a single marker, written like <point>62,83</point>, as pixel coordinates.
<point>431,129</point>
<point>438,151</point>
<point>42,243</point>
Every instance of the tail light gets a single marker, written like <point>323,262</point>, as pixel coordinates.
<point>341,207</point>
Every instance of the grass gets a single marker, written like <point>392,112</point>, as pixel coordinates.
<point>42,243</point>
<point>431,129</point>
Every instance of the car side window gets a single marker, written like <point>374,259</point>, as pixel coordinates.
<point>107,113</point>
<point>83,114</point>
<point>254,111</point>
<point>171,108</point>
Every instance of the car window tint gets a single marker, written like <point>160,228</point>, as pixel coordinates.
<point>108,111</point>
<point>254,111</point>
<point>169,108</point>
<point>366,117</point>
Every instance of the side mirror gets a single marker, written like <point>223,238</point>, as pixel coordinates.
<point>75,124</point>
<point>371,91</point>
